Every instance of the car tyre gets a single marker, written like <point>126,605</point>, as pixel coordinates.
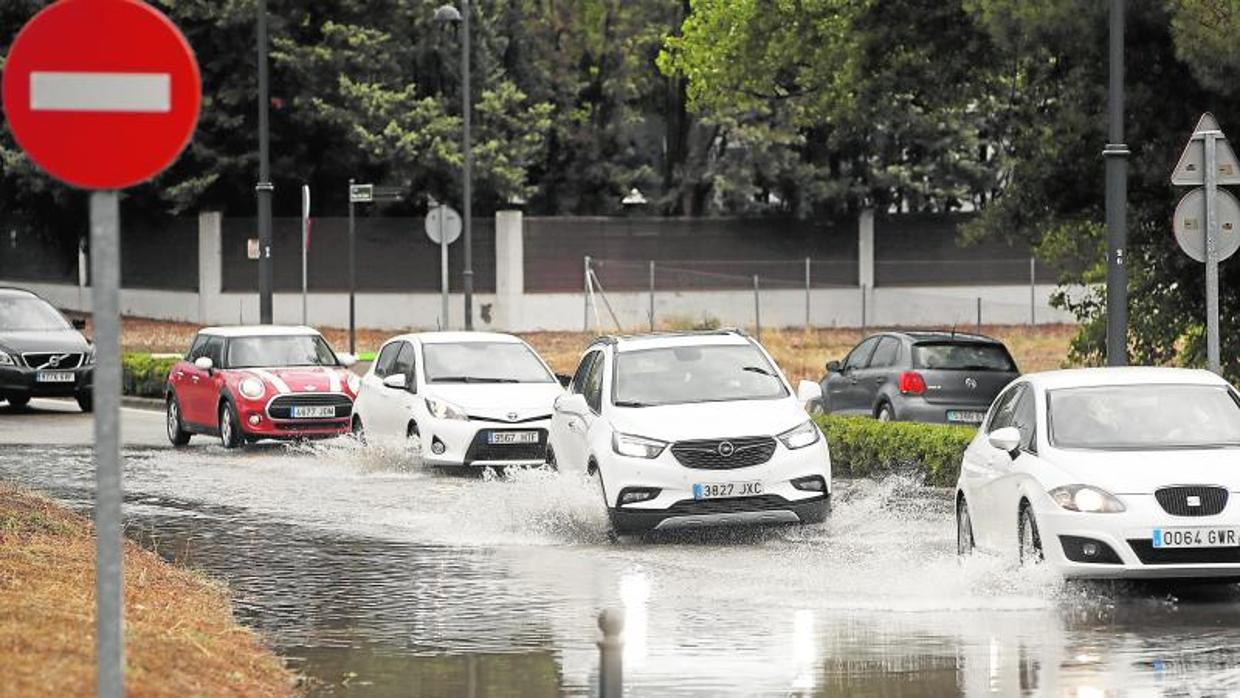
<point>357,430</point>
<point>965,544</point>
<point>816,408</point>
<point>175,427</point>
<point>86,402</point>
<point>885,413</point>
<point>551,459</point>
<point>230,427</point>
<point>1030,540</point>
<point>19,401</point>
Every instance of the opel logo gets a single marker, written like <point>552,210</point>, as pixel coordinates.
<point>512,416</point>
<point>970,383</point>
<point>726,449</point>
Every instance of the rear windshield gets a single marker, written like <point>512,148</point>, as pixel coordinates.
<point>962,356</point>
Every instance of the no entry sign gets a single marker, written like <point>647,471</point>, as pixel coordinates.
<point>102,94</point>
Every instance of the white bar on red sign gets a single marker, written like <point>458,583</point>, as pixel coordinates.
<point>101,92</point>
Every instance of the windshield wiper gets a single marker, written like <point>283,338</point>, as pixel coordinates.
<point>631,403</point>
<point>758,369</point>
<point>472,379</point>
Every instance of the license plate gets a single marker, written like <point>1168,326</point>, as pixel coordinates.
<point>1198,537</point>
<point>512,437</point>
<point>54,377</point>
<point>313,411</point>
<point>719,490</point>
<point>965,416</point>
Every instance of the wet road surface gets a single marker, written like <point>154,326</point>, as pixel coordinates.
<point>378,577</point>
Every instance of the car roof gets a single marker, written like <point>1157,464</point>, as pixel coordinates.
<point>658,340</point>
<point>259,331</point>
<point>1121,375</point>
<point>14,291</point>
<point>942,335</point>
<point>444,337</point>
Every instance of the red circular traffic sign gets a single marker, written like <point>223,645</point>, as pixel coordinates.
<point>102,94</point>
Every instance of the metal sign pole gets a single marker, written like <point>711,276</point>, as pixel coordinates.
<point>305,243</point>
<point>352,274</point>
<point>443,267</point>
<point>105,307</point>
<point>652,295</point>
<point>1211,177</point>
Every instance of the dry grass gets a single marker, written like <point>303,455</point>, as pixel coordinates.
<point>802,354</point>
<point>181,638</point>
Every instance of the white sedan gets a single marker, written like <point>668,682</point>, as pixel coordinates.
<point>466,398</point>
<point>1108,472</point>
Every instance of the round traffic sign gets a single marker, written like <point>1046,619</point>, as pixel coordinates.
<point>445,218</point>
<point>1190,224</point>
<point>102,94</point>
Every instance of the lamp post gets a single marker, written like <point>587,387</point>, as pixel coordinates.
<point>448,14</point>
<point>264,187</point>
<point>1116,154</point>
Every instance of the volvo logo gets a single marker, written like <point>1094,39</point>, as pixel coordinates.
<point>726,449</point>
<point>54,360</point>
<point>512,416</point>
<point>970,383</point>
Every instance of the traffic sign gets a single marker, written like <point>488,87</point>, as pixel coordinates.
<point>252,248</point>
<point>361,193</point>
<point>1190,224</point>
<point>443,221</point>
<point>1190,170</point>
<point>101,94</point>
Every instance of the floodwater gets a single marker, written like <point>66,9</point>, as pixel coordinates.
<point>377,577</point>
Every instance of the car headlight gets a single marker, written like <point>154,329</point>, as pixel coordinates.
<point>355,383</point>
<point>6,360</point>
<point>444,410</point>
<point>1087,499</point>
<point>636,446</point>
<point>252,388</point>
<point>801,436</point>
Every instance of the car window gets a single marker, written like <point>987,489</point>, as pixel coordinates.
<point>1005,406</point>
<point>404,360</point>
<point>387,357</point>
<point>886,354</point>
<point>1024,418</point>
<point>860,355</point>
<point>593,389</point>
<point>196,349</point>
<point>583,368</point>
<point>214,350</point>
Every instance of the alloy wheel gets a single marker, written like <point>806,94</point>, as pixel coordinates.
<point>964,529</point>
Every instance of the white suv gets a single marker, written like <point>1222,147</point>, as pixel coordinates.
<point>688,430</point>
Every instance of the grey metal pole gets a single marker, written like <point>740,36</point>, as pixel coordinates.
<point>979,314</point>
<point>585,317</point>
<point>469,173</point>
<point>352,274</point>
<point>611,654</point>
<point>862,308</point>
<point>757,309</point>
<point>264,187</point>
<point>1116,154</point>
<point>652,295</point>
<point>807,288</point>
<point>443,269</point>
<point>305,235</point>
<point>1212,310</point>
<point>105,257</point>
<point>1033,291</point>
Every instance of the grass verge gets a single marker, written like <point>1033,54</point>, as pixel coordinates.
<point>181,638</point>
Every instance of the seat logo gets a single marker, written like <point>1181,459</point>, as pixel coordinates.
<point>1192,500</point>
<point>970,383</point>
<point>726,449</point>
<point>512,416</point>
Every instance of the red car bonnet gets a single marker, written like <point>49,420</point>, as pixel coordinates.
<point>302,379</point>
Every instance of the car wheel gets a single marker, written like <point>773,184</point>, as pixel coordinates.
<point>1030,539</point>
<point>357,430</point>
<point>412,431</point>
<point>19,401</point>
<point>964,529</point>
<point>885,413</point>
<point>176,429</point>
<point>816,408</point>
<point>230,427</point>
<point>551,459</point>
<point>86,402</point>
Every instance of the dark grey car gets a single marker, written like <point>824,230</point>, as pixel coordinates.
<point>944,377</point>
<point>41,353</point>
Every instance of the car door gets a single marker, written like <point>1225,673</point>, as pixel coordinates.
<point>198,397</point>
<point>877,372</point>
<point>372,397</point>
<point>844,394</point>
<point>568,435</point>
<point>394,403</point>
<point>208,390</point>
<point>183,378</point>
<point>985,468</point>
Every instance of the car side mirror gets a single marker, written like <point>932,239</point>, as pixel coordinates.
<point>1005,439</point>
<point>78,324</point>
<point>204,363</point>
<point>563,379</point>
<point>396,381</point>
<point>571,403</point>
<point>808,391</point>
<point>346,360</point>
<point>834,367</point>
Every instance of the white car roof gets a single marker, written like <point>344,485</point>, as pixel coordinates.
<point>259,331</point>
<point>457,337</point>
<point>1121,375</point>
<point>660,341</point>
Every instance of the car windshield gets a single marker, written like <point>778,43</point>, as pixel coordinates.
<point>30,314</point>
<point>279,350</point>
<point>1143,417</point>
<point>685,374</point>
<point>962,356</point>
<point>483,362</point>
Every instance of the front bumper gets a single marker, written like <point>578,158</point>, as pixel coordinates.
<point>459,442</point>
<point>19,381</point>
<point>676,507</point>
<point>1129,535</point>
<point>272,428</point>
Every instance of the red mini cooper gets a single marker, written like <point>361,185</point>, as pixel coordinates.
<point>260,382</point>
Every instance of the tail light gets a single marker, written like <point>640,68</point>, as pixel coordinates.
<point>911,383</point>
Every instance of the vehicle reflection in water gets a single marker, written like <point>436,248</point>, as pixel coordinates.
<point>378,578</point>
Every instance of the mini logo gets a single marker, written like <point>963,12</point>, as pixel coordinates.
<point>970,383</point>
<point>310,388</point>
<point>1192,500</point>
<point>726,449</point>
<point>512,416</point>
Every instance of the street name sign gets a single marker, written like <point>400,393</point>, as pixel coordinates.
<point>361,193</point>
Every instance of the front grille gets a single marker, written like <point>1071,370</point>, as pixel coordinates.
<point>538,418</point>
<point>281,407</point>
<point>1149,555</point>
<point>709,454</point>
<point>42,359</point>
<point>309,425</point>
<point>1175,500</point>
<point>732,505</point>
<point>480,450</point>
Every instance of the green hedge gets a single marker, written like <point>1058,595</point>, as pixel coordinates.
<point>144,375</point>
<point>864,447</point>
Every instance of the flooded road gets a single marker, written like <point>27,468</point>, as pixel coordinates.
<point>377,577</point>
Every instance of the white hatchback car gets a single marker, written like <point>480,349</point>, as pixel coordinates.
<point>468,398</point>
<point>695,429</point>
<point>1108,472</point>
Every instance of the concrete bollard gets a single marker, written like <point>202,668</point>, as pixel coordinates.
<point>611,654</point>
